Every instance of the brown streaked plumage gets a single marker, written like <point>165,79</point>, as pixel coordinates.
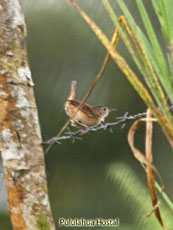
<point>87,115</point>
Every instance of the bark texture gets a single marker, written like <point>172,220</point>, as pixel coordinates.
<point>21,144</point>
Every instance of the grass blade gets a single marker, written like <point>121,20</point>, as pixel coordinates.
<point>161,64</point>
<point>131,76</point>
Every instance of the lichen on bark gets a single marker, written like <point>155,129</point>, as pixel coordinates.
<point>21,144</point>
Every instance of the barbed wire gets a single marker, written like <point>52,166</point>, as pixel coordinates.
<point>77,135</point>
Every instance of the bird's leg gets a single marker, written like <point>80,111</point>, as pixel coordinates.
<point>78,124</point>
<point>85,129</point>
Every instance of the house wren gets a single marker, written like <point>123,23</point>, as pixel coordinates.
<point>87,115</point>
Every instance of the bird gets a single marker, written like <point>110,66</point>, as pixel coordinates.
<point>87,115</point>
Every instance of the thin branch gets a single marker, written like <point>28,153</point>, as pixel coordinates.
<point>114,42</point>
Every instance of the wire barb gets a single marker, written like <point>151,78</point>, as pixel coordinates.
<point>76,135</point>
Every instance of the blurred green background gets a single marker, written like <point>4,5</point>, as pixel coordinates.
<point>98,175</point>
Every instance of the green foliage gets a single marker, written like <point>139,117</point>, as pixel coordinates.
<point>135,193</point>
<point>147,54</point>
<point>148,58</point>
<point>163,9</point>
<point>157,92</point>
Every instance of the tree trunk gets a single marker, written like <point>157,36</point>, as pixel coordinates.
<point>21,144</point>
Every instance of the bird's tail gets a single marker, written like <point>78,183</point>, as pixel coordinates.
<point>73,91</point>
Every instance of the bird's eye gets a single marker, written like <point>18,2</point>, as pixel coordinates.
<point>104,109</point>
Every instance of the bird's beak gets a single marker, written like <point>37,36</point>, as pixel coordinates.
<point>112,110</point>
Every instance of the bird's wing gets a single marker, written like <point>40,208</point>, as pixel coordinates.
<point>85,108</point>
